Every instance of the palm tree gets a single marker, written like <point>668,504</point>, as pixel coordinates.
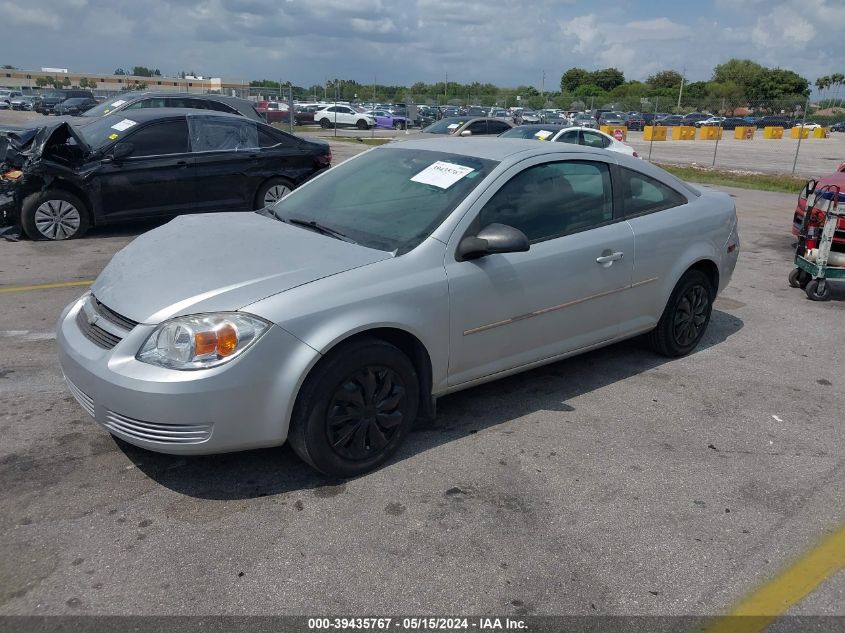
<point>821,84</point>
<point>837,80</point>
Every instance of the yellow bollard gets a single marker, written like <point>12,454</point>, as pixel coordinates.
<point>744,132</point>
<point>683,133</point>
<point>654,133</point>
<point>709,133</point>
<point>799,131</point>
<point>620,133</point>
<point>821,132</point>
<point>773,131</point>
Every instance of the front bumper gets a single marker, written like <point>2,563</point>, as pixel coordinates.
<point>240,405</point>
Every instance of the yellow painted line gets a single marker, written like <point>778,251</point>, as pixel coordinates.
<point>763,606</point>
<point>61,284</point>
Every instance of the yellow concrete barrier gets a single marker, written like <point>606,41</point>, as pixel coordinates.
<point>799,132</point>
<point>709,133</point>
<point>654,133</point>
<point>821,132</point>
<point>772,131</point>
<point>616,131</point>
<point>744,132</point>
<point>683,133</point>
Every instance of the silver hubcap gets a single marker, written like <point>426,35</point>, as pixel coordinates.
<point>57,219</point>
<point>274,194</point>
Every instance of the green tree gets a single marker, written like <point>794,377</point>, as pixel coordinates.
<point>573,78</point>
<point>87,83</point>
<point>141,71</point>
<point>743,72</point>
<point>589,90</point>
<point>41,82</point>
<point>665,79</point>
<point>65,82</point>
<point>119,71</point>
<point>607,78</point>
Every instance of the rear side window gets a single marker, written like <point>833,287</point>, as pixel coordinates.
<point>593,139</point>
<point>495,127</point>
<point>211,104</point>
<point>266,138</point>
<point>167,137</point>
<point>213,134</point>
<point>644,194</point>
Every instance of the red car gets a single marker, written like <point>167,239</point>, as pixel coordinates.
<point>274,112</point>
<point>836,179</point>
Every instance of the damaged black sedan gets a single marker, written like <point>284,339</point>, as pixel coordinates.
<point>57,181</point>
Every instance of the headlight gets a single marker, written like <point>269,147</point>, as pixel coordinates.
<point>201,341</point>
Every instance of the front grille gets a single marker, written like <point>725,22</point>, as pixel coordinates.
<point>103,337</point>
<point>94,333</point>
<point>118,319</point>
<point>157,432</point>
<point>81,397</point>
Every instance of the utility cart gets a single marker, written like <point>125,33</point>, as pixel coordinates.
<point>815,262</point>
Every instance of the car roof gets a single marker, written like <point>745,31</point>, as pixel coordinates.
<point>141,115</point>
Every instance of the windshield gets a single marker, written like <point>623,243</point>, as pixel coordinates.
<point>107,106</point>
<point>107,130</point>
<point>75,101</point>
<point>55,94</point>
<point>389,199</point>
<point>533,131</point>
<point>445,126</point>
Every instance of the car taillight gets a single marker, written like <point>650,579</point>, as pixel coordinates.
<point>325,159</point>
<point>636,155</point>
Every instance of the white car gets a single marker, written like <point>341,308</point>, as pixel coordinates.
<point>713,120</point>
<point>575,135</point>
<point>6,97</point>
<point>808,126</point>
<point>343,116</point>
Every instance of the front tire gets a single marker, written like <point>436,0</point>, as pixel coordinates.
<point>355,408</point>
<point>686,316</point>
<point>362,125</point>
<point>54,215</point>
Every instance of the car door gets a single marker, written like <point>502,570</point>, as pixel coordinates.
<point>514,309</point>
<point>594,139</point>
<point>569,136</point>
<point>156,179</point>
<point>477,128</point>
<point>227,158</point>
<point>497,127</point>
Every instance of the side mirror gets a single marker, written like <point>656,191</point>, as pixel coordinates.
<point>466,133</point>
<point>122,150</point>
<point>493,238</point>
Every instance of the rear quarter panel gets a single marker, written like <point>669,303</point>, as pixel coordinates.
<point>669,242</point>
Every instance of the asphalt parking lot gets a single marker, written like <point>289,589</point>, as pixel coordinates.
<point>613,483</point>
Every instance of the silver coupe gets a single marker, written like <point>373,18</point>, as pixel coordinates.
<point>336,317</point>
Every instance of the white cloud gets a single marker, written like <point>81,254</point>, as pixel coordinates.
<point>16,15</point>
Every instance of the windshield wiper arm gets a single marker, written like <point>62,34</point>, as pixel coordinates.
<point>319,228</point>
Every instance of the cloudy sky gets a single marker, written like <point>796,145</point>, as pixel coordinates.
<point>403,41</point>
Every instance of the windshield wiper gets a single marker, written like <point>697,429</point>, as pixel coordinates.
<point>319,228</point>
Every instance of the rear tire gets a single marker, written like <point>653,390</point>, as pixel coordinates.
<point>325,124</point>
<point>54,214</point>
<point>355,408</point>
<point>271,192</point>
<point>686,316</point>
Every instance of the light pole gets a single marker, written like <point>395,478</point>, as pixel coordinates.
<point>681,90</point>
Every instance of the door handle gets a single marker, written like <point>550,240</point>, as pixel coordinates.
<point>181,163</point>
<point>607,258</point>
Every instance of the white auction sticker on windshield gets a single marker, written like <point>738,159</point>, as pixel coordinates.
<point>124,125</point>
<point>442,174</point>
<point>118,103</point>
<point>543,134</point>
<point>453,126</point>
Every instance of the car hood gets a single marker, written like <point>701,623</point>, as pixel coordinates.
<point>219,262</point>
<point>17,145</point>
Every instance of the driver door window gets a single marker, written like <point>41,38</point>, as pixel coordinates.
<point>553,199</point>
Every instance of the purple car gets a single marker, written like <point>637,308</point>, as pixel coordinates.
<point>385,119</point>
